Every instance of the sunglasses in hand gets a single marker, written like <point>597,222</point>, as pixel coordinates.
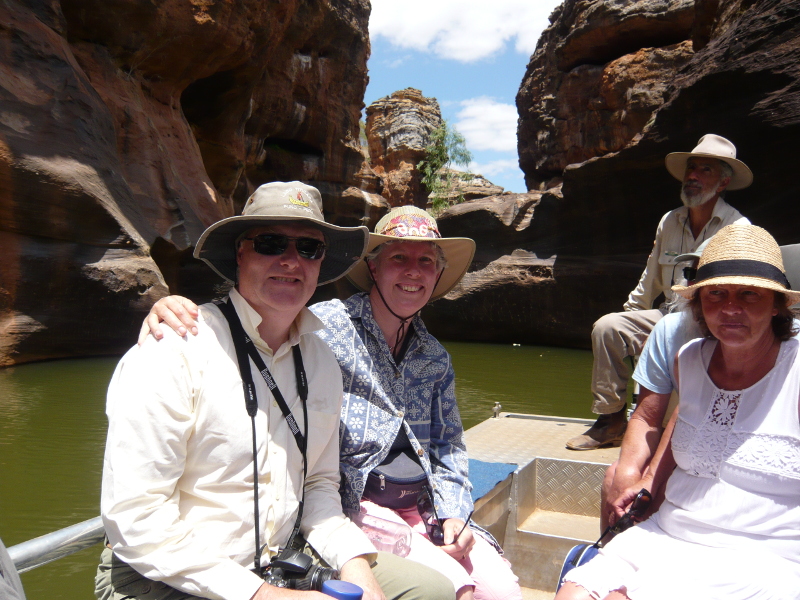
<point>275,244</point>
<point>427,510</point>
<point>638,507</point>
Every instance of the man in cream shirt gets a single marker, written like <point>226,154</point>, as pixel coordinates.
<point>178,476</point>
<point>706,173</point>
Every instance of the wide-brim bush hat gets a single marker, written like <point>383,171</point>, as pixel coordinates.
<point>741,255</point>
<point>712,146</point>
<point>412,224</point>
<point>278,202</point>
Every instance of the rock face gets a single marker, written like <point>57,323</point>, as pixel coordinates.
<point>469,186</point>
<point>398,130</point>
<point>611,89</point>
<point>128,127</point>
<point>741,82</point>
<point>597,76</point>
<point>518,289</point>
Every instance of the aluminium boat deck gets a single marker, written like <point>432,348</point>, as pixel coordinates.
<point>550,503</point>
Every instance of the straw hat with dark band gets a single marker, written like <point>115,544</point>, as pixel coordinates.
<point>741,255</point>
<point>412,224</point>
<point>280,202</point>
<point>712,146</point>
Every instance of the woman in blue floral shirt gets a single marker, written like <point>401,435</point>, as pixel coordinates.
<point>399,395</point>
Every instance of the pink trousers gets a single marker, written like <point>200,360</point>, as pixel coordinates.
<point>484,568</point>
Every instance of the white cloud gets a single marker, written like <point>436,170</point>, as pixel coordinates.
<point>488,125</point>
<point>463,30</point>
<point>496,167</point>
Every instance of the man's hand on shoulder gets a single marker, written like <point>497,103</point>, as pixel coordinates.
<point>357,570</point>
<point>271,592</point>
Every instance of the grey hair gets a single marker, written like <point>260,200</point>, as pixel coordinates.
<point>727,170</point>
<point>441,261</point>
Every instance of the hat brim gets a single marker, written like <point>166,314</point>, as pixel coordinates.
<point>792,297</point>
<point>458,253</point>
<point>345,246</point>
<point>742,176</point>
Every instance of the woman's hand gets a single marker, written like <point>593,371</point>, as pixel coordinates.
<point>623,502</point>
<point>175,311</point>
<point>623,481</point>
<point>460,548</point>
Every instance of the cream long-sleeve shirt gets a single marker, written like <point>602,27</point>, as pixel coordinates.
<point>177,494</point>
<point>673,238</point>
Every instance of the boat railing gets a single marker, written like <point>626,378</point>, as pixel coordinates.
<point>58,544</point>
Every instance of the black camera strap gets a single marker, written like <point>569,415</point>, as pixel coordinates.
<point>244,348</point>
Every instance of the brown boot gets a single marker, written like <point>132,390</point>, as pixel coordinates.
<point>606,432</point>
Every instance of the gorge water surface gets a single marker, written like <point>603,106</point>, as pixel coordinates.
<point>53,426</point>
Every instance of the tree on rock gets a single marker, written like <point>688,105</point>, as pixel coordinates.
<point>447,147</point>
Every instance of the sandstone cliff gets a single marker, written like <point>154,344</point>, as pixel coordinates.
<point>127,127</point>
<point>398,130</point>
<point>612,88</point>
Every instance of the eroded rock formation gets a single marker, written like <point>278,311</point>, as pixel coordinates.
<point>597,76</point>
<point>611,89</point>
<point>398,130</point>
<point>128,127</point>
<point>469,186</point>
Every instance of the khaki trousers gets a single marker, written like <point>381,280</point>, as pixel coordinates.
<point>400,579</point>
<point>614,337</point>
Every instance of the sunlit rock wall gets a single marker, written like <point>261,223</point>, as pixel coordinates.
<point>127,127</point>
<point>612,88</point>
<point>398,130</point>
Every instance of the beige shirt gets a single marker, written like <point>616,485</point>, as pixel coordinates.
<point>673,238</point>
<point>177,496</point>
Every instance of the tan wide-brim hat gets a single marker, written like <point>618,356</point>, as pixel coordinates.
<point>412,224</point>
<point>741,255</point>
<point>712,146</point>
<point>282,202</point>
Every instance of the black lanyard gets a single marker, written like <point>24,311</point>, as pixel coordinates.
<point>244,348</point>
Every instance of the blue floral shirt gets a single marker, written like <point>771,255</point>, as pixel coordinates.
<point>381,396</point>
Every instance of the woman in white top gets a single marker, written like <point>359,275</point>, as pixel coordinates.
<point>729,527</point>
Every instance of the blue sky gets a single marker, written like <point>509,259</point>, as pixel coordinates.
<point>471,56</point>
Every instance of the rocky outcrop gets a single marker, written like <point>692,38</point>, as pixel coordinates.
<point>741,82</point>
<point>468,186</point>
<point>128,127</point>
<point>518,289</point>
<point>598,74</point>
<point>398,130</point>
<point>611,89</point>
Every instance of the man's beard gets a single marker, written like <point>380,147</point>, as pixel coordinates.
<point>698,198</point>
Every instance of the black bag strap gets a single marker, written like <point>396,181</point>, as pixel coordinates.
<point>246,348</point>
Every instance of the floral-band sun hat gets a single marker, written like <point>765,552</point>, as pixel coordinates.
<point>280,202</point>
<point>412,224</point>
<point>712,146</point>
<point>741,255</point>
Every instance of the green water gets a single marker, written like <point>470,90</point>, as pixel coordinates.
<point>52,433</point>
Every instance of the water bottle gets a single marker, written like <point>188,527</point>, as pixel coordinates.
<point>386,536</point>
<point>342,590</point>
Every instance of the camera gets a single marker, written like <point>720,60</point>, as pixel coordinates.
<point>294,570</point>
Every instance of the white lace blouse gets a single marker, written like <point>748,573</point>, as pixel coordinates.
<point>738,455</point>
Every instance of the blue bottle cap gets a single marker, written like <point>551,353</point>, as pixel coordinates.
<point>343,590</point>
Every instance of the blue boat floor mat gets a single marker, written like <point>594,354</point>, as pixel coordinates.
<point>485,475</point>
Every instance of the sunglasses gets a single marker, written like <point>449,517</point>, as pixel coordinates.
<point>427,510</point>
<point>638,507</point>
<point>690,273</point>
<point>275,244</point>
